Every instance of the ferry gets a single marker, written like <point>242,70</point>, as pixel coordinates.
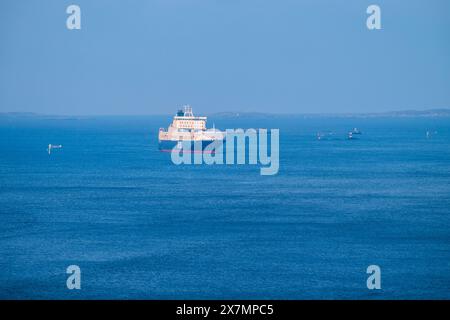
<point>187,127</point>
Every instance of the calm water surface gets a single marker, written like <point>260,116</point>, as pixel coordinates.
<point>141,227</point>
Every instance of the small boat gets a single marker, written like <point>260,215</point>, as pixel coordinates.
<point>53,146</point>
<point>356,131</point>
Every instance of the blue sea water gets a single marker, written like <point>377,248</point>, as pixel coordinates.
<point>141,227</point>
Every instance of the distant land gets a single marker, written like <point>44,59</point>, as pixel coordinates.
<point>404,114</point>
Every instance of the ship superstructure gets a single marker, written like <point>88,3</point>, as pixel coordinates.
<point>187,127</point>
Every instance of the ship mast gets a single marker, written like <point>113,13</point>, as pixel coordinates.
<point>188,111</point>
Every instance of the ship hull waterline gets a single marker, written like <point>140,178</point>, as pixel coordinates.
<point>180,146</point>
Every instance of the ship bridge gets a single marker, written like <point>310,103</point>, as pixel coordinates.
<point>185,119</point>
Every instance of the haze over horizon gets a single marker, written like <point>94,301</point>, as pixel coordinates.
<point>441,112</point>
<point>151,57</point>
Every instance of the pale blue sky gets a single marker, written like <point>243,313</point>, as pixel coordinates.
<point>290,56</point>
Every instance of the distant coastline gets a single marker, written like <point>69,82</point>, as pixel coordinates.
<point>442,112</point>
<point>391,114</point>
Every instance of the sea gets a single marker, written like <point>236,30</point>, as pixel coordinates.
<point>141,227</point>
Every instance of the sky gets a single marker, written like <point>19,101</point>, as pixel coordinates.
<point>143,57</point>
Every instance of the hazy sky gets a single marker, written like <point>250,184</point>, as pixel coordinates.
<point>151,56</point>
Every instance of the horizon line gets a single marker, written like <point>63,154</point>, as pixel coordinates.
<point>238,113</point>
